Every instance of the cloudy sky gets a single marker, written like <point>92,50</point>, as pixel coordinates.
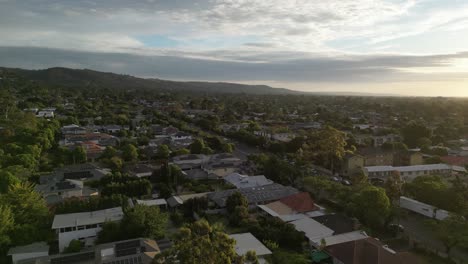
<point>409,47</point>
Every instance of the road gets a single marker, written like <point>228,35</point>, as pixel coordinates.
<point>418,230</point>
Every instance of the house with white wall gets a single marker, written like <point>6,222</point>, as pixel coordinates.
<point>83,226</point>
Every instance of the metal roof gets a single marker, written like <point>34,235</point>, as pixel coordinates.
<point>87,218</point>
<point>246,242</point>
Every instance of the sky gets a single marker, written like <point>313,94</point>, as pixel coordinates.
<point>401,47</point>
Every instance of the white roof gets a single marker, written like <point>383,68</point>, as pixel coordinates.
<point>246,242</point>
<point>341,238</point>
<point>156,202</point>
<point>245,181</point>
<point>312,229</point>
<point>87,218</point>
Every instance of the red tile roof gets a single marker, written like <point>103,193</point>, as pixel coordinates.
<point>300,202</point>
<point>455,160</point>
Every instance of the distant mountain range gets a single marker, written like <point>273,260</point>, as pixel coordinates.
<point>76,78</point>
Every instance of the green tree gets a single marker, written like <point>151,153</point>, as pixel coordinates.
<point>130,153</point>
<point>7,223</point>
<point>372,206</point>
<point>145,221</point>
<point>200,243</point>
<point>234,200</point>
<point>30,213</point>
<point>163,152</point>
<point>359,179</point>
<point>197,146</point>
<point>74,246</point>
<point>393,186</point>
<point>413,132</point>
<point>7,179</point>
<point>79,155</point>
<point>452,232</point>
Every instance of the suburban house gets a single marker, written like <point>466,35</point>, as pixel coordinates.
<point>292,207</point>
<point>82,172</point>
<point>246,242</point>
<point>137,251</point>
<point>226,128</point>
<point>73,130</point>
<point>422,208</point>
<point>408,173</point>
<point>352,164</point>
<point>378,141</point>
<point>455,160</point>
<point>190,161</point>
<point>139,171</point>
<point>161,203</point>
<point>408,158</point>
<point>245,181</point>
<point>56,192</point>
<point>283,137</point>
<point>180,136</point>
<point>314,231</point>
<point>221,165</point>
<point>83,226</point>
<point>28,252</point>
<point>255,195</point>
<point>339,223</point>
<point>46,113</point>
<point>376,157</point>
<point>367,251</point>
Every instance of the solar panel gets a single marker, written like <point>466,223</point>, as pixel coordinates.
<point>73,258</point>
<point>126,252</point>
<point>128,244</point>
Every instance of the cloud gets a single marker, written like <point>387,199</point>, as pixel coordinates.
<point>371,69</point>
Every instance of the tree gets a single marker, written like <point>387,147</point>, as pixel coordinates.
<point>163,152</point>
<point>234,200</point>
<point>79,155</point>
<point>240,216</point>
<point>452,232</point>
<point>393,186</point>
<point>30,213</point>
<point>182,151</point>
<point>130,153</point>
<point>200,243</point>
<point>7,179</point>
<point>145,221</point>
<point>7,222</point>
<point>251,257</point>
<point>197,146</point>
<point>359,179</point>
<point>74,246</point>
<point>327,144</point>
<point>413,132</point>
<point>206,151</point>
<point>116,163</point>
<point>372,206</point>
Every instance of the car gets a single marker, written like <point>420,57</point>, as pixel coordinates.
<point>336,179</point>
<point>396,228</point>
<point>346,182</point>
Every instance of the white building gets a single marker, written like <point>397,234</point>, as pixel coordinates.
<point>423,209</point>
<point>32,251</point>
<point>408,173</point>
<point>246,242</point>
<point>83,226</point>
<point>313,230</point>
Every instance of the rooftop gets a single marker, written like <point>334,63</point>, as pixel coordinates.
<point>87,218</point>
<point>245,181</point>
<point>312,229</point>
<point>255,195</point>
<point>246,242</point>
<point>31,248</point>
<point>300,202</point>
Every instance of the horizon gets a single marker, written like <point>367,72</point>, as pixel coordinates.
<point>400,47</point>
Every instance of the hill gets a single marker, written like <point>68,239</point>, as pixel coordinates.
<point>76,78</point>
